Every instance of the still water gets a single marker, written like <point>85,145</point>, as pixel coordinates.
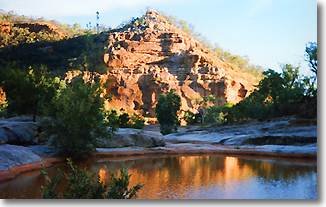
<point>195,177</point>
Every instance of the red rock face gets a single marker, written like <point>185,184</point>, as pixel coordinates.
<point>151,56</point>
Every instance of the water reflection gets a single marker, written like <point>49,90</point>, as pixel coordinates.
<point>201,176</point>
<point>176,177</point>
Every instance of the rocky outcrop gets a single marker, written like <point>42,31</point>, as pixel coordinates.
<point>125,137</point>
<point>18,130</point>
<point>12,155</point>
<point>277,132</point>
<point>150,56</point>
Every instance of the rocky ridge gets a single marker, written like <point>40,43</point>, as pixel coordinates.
<point>150,55</point>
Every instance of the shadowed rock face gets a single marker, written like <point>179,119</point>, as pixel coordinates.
<point>149,56</point>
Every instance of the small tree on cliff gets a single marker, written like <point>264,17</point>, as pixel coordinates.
<point>166,112</point>
<point>77,119</point>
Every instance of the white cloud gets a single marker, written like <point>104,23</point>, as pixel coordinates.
<point>63,8</point>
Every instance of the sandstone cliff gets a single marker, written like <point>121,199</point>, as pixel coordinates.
<point>150,55</point>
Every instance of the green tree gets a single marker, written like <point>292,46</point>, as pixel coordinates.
<point>166,112</point>
<point>312,56</point>
<point>77,118</point>
<point>28,91</point>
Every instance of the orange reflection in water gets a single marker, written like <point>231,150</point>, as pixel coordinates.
<point>102,174</point>
<point>181,173</point>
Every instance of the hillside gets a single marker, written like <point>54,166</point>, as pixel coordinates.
<point>19,29</point>
<point>150,56</point>
<point>139,61</point>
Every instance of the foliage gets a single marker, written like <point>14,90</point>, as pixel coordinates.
<point>3,109</point>
<point>131,121</point>
<point>242,63</point>
<point>312,56</point>
<point>166,112</point>
<point>3,103</point>
<point>82,52</point>
<point>82,184</point>
<point>24,35</point>
<point>28,91</point>
<point>77,118</point>
<point>216,114</point>
<point>137,121</point>
<point>278,94</point>
<point>49,189</point>
<point>191,118</point>
<point>19,34</point>
<point>118,186</point>
<point>124,120</point>
<point>112,119</point>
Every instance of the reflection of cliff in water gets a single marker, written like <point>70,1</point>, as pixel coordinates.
<point>181,172</point>
<point>185,176</point>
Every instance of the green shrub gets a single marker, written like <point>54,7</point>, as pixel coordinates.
<point>112,119</point>
<point>137,122</point>
<point>77,118</point>
<point>124,120</point>
<point>166,112</point>
<point>191,118</point>
<point>82,184</point>
<point>278,94</point>
<point>131,121</point>
<point>118,186</point>
<point>28,91</point>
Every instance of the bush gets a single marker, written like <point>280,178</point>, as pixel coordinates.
<point>191,118</point>
<point>124,120</point>
<point>82,184</point>
<point>28,91</point>
<point>77,118</point>
<point>278,94</point>
<point>118,186</point>
<point>137,121</point>
<point>112,119</point>
<point>215,115</point>
<point>166,112</point>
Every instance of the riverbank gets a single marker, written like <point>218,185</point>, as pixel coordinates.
<point>285,137</point>
<point>169,149</point>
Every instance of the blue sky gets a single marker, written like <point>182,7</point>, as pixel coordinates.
<point>268,32</point>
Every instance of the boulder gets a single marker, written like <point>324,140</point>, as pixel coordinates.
<point>19,131</point>
<point>126,137</point>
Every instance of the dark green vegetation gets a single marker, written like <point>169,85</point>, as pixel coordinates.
<point>124,120</point>
<point>276,95</point>
<point>82,52</point>
<point>19,29</point>
<point>77,118</point>
<point>26,42</point>
<point>28,91</point>
<point>166,112</point>
<point>82,184</point>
